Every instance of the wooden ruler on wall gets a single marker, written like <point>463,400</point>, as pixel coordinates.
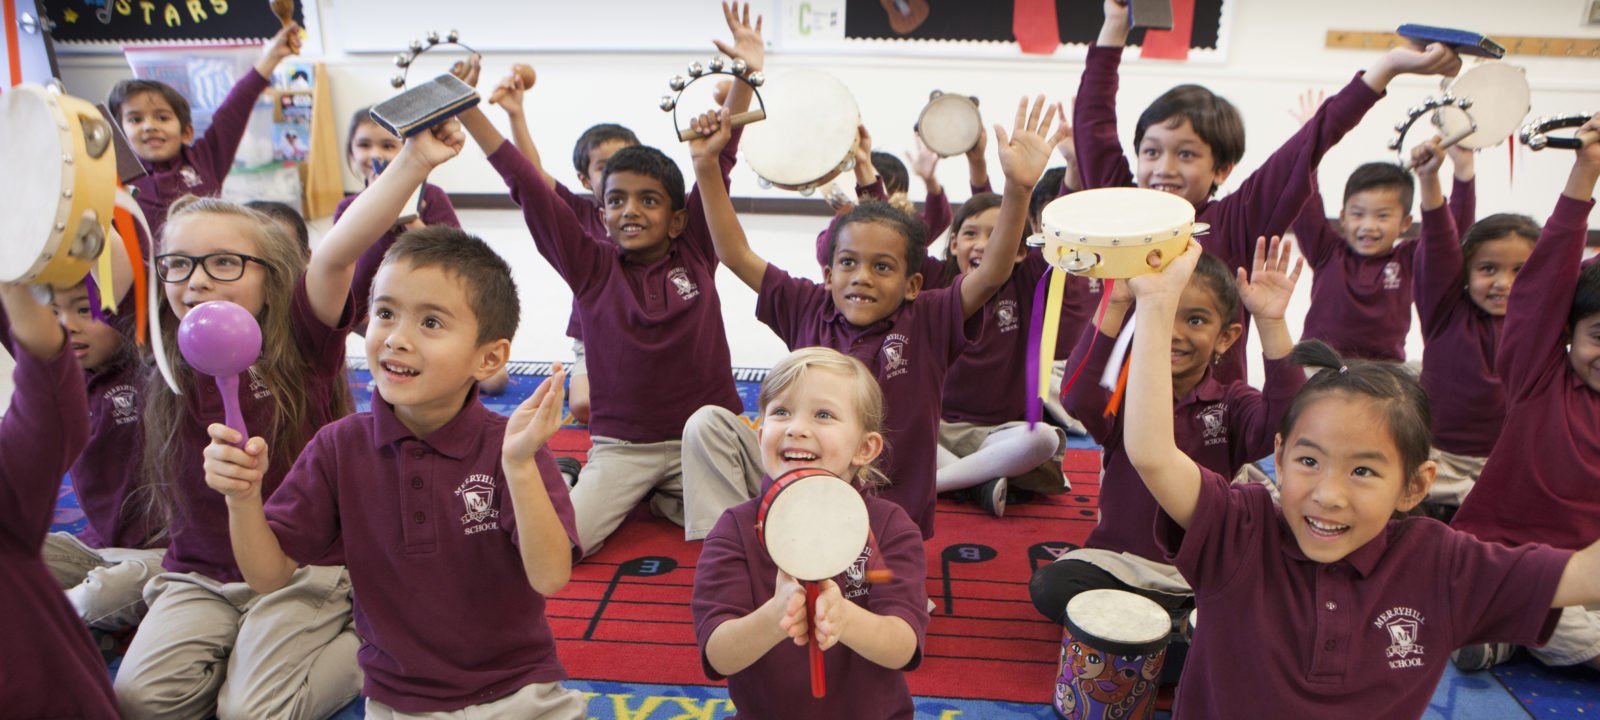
<point>1515,45</point>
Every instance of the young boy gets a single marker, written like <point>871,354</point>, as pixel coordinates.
<point>443,508</point>
<point>649,307</point>
<point>54,669</point>
<point>865,309</point>
<point>1188,141</point>
<point>155,117</point>
<point>1538,483</point>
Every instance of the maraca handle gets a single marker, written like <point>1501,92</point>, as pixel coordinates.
<point>737,120</point>
<point>229,387</point>
<point>818,685</point>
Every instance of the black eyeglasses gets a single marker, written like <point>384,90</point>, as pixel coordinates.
<point>223,266</point>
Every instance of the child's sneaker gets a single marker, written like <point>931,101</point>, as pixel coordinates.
<point>1473,658</point>
<point>992,496</point>
<point>570,467</point>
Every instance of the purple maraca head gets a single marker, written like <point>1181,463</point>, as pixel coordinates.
<point>219,338</point>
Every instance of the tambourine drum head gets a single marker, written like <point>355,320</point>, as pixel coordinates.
<point>809,132</point>
<point>816,528</point>
<point>1118,618</point>
<point>1500,101</point>
<point>950,125</point>
<point>1128,214</point>
<point>32,177</point>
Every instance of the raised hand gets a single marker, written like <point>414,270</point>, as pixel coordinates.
<point>1427,158</point>
<point>508,94</point>
<point>1307,107</point>
<point>284,43</point>
<point>535,420</point>
<point>233,471</point>
<point>1024,153</point>
<point>1266,291</point>
<point>437,145</point>
<point>922,160</point>
<point>1168,284</point>
<point>833,614</point>
<point>714,130</point>
<point>747,43</point>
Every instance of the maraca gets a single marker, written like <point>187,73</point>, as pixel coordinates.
<point>222,339</point>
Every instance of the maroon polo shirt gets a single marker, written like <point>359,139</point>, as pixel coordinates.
<point>442,602</point>
<point>200,541</point>
<point>1367,636</point>
<point>909,353</point>
<point>734,576</point>
<point>593,220</point>
<point>1539,484</point>
<point>1221,426</point>
<point>436,210</point>
<point>1459,345</point>
<point>200,168</point>
<point>642,324</point>
<point>52,668</point>
<point>1266,203</point>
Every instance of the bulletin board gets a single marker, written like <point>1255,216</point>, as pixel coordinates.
<point>121,22</point>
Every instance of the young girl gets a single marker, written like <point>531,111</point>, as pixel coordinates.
<point>1327,607</point>
<point>819,408</point>
<point>209,644</point>
<point>1223,426</point>
<point>1462,285</point>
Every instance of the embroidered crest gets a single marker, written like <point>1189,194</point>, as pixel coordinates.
<point>1391,276</point>
<point>1404,626</point>
<point>1005,315</point>
<point>1214,421</point>
<point>895,361</point>
<point>855,577</point>
<point>258,387</point>
<point>680,280</point>
<point>477,497</point>
<point>124,404</point>
<point>189,177</point>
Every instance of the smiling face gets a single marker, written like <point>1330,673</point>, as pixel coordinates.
<point>422,344</point>
<point>972,239</point>
<point>815,423</point>
<point>1584,353</point>
<point>1200,334</point>
<point>639,215</point>
<point>201,233</point>
<point>1372,220</point>
<point>152,126</point>
<point>1178,161</point>
<point>370,142</point>
<point>1342,476</point>
<point>867,277</point>
<point>1493,268</point>
<point>92,342</point>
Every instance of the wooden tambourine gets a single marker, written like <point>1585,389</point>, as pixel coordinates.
<point>1108,233</point>
<point>1479,109</point>
<point>810,133</point>
<point>718,65</point>
<point>950,124</point>
<point>59,186</point>
<point>814,526</point>
<point>1536,135</point>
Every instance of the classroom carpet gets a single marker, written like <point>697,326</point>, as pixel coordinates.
<point>624,633</point>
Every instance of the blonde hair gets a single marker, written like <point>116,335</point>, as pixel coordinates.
<point>282,365</point>
<point>866,396</point>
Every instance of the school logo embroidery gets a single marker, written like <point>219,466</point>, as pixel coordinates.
<point>1214,421</point>
<point>1391,276</point>
<point>258,388</point>
<point>855,576</point>
<point>895,361</point>
<point>124,401</point>
<point>477,496</point>
<point>1005,315</point>
<point>1404,626</point>
<point>680,280</point>
<point>189,177</point>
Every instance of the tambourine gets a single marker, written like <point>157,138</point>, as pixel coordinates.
<point>814,526</point>
<point>718,65</point>
<point>59,190</point>
<point>1112,650</point>
<point>1109,232</point>
<point>950,124</point>
<point>810,134</point>
<point>417,47</point>
<point>1479,109</point>
<point>1536,135</point>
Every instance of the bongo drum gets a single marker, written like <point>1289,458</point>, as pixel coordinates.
<point>1107,233</point>
<point>950,124</point>
<point>809,136</point>
<point>1112,649</point>
<point>1536,135</point>
<point>814,526</point>
<point>59,187</point>
<point>1479,109</point>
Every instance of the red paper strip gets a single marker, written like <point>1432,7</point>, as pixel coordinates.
<point>1171,44</point>
<point>1034,24</point>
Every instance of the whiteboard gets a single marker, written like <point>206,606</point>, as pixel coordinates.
<point>540,25</point>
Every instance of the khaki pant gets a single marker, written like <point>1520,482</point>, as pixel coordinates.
<point>1457,475</point>
<point>1576,638</point>
<point>618,475</point>
<point>105,585</point>
<point>539,701</point>
<point>721,467</point>
<point>212,648</point>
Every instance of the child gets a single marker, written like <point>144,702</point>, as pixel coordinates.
<point>443,313</point>
<point>1327,607</point>
<point>1462,288</point>
<point>155,119</point>
<point>1188,141</point>
<point>983,439</point>
<point>864,306</point>
<point>1538,484</point>
<point>650,309</point>
<point>1222,426</point>
<point>825,406</point>
<point>54,669</point>
<point>289,218</point>
<point>210,644</point>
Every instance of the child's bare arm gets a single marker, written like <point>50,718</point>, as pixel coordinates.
<point>978,161</point>
<point>1586,166</point>
<point>727,235</point>
<point>237,474</point>
<point>739,643</point>
<point>885,640</point>
<point>1266,292</point>
<point>1435,59</point>
<point>510,94</point>
<point>1580,581</point>
<point>546,551</point>
<point>1114,30</point>
<point>284,43</point>
<point>923,164</point>
<point>1173,479</point>
<point>332,267</point>
<point>32,323</point>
